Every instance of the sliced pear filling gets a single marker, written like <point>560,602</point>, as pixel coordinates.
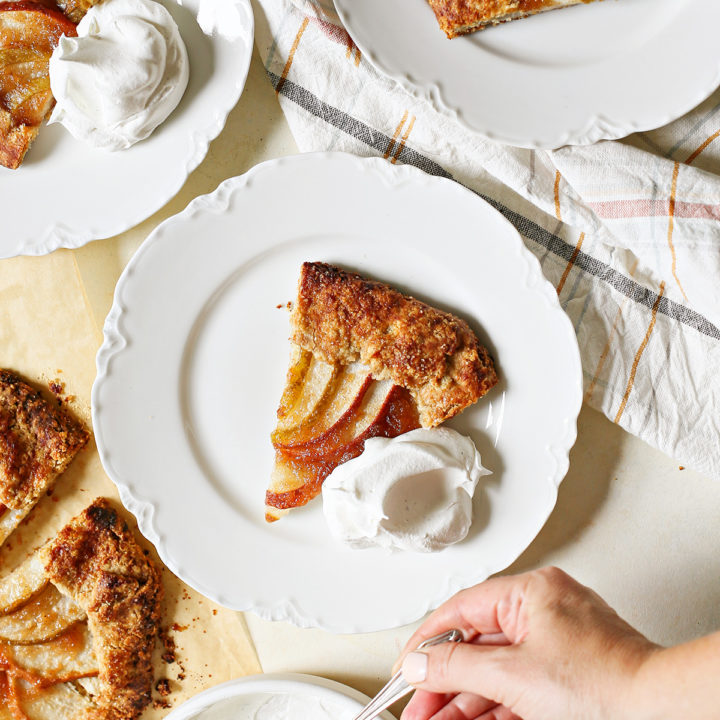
<point>45,645</point>
<point>69,656</point>
<point>18,587</point>
<point>326,413</point>
<point>77,641</point>
<point>41,618</point>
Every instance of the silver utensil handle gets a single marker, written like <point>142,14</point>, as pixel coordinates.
<point>398,687</point>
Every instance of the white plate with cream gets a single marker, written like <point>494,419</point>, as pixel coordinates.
<point>276,696</point>
<point>569,76</point>
<point>67,193</point>
<point>195,357</point>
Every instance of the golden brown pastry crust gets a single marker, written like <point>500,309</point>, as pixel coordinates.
<point>14,140</point>
<point>459,17</point>
<point>97,562</point>
<point>76,9</point>
<point>342,317</point>
<point>37,442</point>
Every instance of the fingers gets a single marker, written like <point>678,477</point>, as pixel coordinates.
<point>499,712</point>
<point>492,607</point>
<point>464,668</point>
<point>424,704</point>
<point>465,706</point>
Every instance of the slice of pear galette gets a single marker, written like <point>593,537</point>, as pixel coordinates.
<point>78,623</point>
<point>366,361</point>
<point>38,440</point>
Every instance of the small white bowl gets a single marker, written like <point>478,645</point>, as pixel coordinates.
<point>249,691</point>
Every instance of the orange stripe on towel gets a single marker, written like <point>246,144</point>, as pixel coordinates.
<point>693,156</point>
<point>671,225</point>
<point>396,134</point>
<point>608,342</point>
<point>570,264</point>
<point>403,139</point>
<point>639,354</point>
<point>558,214</point>
<point>291,55</point>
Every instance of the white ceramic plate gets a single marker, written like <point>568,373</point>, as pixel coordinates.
<point>241,697</point>
<point>195,357</point>
<point>569,76</point>
<point>67,193</point>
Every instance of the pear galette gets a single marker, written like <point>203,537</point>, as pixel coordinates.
<point>29,32</point>
<point>366,361</point>
<point>37,442</point>
<point>459,17</point>
<point>78,622</point>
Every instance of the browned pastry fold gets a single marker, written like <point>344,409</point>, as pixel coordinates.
<point>344,318</point>
<point>76,9</point>
<point>78,624</point>
<point>459,17</point>
<point>96,561</point>
<point>38,440</point>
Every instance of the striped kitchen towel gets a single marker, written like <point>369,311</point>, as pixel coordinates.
<point>627,231</point>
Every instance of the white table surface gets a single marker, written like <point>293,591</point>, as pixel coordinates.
<point>628,522</point>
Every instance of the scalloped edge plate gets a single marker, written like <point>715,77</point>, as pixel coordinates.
<point>246,692</point>
<point>566,77</point>
<point>66,193</point>
<point>194,360</point>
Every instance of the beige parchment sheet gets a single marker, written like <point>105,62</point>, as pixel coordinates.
<point>48,334</point>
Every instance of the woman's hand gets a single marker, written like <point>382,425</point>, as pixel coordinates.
<point>538,646</point>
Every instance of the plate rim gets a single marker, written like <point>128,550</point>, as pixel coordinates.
<point>285,609</point>
<point>597,126</point>
<point>268,683</point>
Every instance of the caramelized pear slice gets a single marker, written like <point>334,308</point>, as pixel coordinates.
<point>29,32</point>
<point>343,393</point>
<point>10,520</point>
<point>24,582</point>
<point>67,657</point>
<point>41,618</point>
<point>59,702</point>
<point>308,395</point>
<point>386,410</point>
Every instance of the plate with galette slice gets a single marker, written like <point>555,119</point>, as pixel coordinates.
<point>545,73</point>
<point>262,337</point>
<point>59,191</point>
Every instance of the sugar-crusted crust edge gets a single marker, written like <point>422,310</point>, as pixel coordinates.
<point>38,440</point>
<point>342,317</point>
<point>15,140</point>
<point>96,561</point>
<point>460,17</point>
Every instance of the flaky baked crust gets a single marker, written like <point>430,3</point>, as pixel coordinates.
<point>458,17</point>
<point>76,9</point>
<point>97,562</point>
<point>342,317</point>
<point>15,139</point>
<point>37,442</point>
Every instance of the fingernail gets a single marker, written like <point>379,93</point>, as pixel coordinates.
<point>414,667</point>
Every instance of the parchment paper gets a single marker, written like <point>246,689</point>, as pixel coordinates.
<point>48,334</point>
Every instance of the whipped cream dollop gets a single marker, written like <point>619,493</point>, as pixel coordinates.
<point>413,492</point>
<point>121,76</point>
